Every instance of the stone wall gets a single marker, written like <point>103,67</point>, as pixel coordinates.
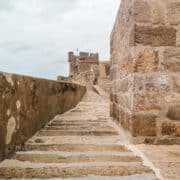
<point>145,67</point>
<point>27,104</point>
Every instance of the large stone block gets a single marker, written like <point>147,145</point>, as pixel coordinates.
<point>157,11</point>
<point>147,61</point>
<point>125,118</point>
<point>142,11</point>
<point>146,101</point>
<point>125,100</point>
<point>152,83</point>
<point>173,12</point>
<point>171,128</point>
<point>172,59</point>
<point>154,36</point>
<point>125,84</point>
<point>176,82</point>
<point>144,124</point>
<point>125,66</point>
<point>174,111</point>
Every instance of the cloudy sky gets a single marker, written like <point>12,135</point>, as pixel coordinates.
<point>35,35</point>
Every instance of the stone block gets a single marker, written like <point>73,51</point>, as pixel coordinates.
<point>174,111</point>
<point>154,36</point>
<point>125,66</point>
<point>171,128</point>
<point>173,98</point>
<point>125,118</point>
<point>111,109</point>
<point>152,83</point>
<point>176,82</point>
<point>142,11</point>
<point>178,36</point>
<point>146,61</point>
<point>157,12</point>
<point>173,12</point>
<point>125,100</point>
<point>172,59</point>
<point>146,101</point>
<point>125,84</point>
<point>144,124</point>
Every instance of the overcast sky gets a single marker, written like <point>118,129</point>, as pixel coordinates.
<point>35,35</point>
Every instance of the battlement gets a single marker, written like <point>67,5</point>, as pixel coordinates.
<point>85,56</point>
<point>82,62</point>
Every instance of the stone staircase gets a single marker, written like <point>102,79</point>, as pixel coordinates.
<point>104,83</point>
<point>80,144</point>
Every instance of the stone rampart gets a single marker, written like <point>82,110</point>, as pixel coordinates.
<point>27,104</point>
<point>145,67</point>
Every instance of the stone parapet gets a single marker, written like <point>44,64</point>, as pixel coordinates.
<point>27,104</point>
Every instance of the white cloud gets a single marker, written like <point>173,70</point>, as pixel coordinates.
<point>35,35</point>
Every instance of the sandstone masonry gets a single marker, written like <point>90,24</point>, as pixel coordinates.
<point>145,68</point>
<point>28,103</point>
<point>87,70</point>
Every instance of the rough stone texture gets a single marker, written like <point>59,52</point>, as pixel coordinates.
<point>172,59</point>
<point>165,158</point>
<point>174,112</point>
<point>75,149</point>
<point>173,11</point>
<point>155,36</point>
<point>28,103</point>
<point>145,66</point>
<point>87,70</point>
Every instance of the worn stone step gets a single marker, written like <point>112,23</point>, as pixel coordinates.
<point>74,147</point>
<point>18,169</point>
<point>143,176</point>
<point>80,128</point>
<point>67,157</point>
<point>83,126</point>
<point>68,132</point>
<point>74,140</point>
<point>79,121</point>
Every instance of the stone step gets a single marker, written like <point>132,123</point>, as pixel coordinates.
<point>84,124</point>
<point>68,157</point>
<point>74,140</point>
<point>72,128</point>
<point>74,147</point>
<point>18,169</point>
<point>148,176</point>
<point>75,133</point>
<point>78,125</point>
<point>79,121</point>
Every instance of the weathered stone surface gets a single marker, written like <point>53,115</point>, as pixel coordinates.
<point>176,82</point>
<point>142,11</point>
<point>172,59</point>
<point>125,84</point>
<point>144,124</point>
<point>125,118</point>
<point>28,103</point>
<point>173,12</point>
<point>157,11</point>
<point>173,98</point>
<point>147,101</point>
<point>174,112</point>
<point>171,128</point>
<point>147,61</point>
<point>154,36</point>
<point>152,83</point>
<point>145,42</point>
